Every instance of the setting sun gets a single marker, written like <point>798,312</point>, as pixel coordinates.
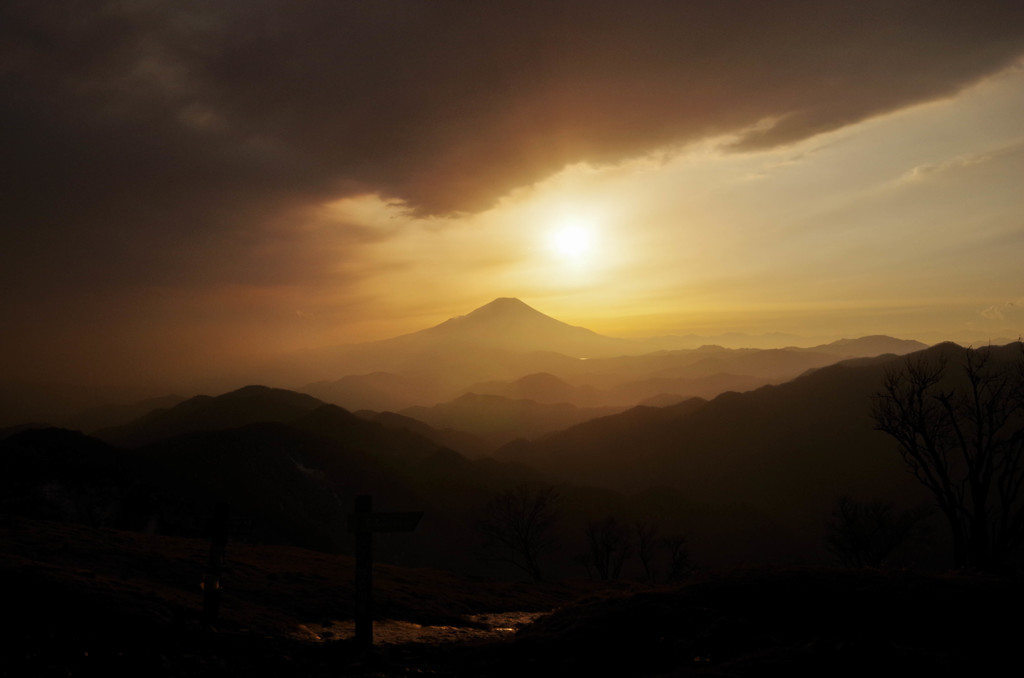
<point>573,240</point>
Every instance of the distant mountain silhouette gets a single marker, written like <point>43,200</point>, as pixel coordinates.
<point>866,347</point>
<point>737,443</point>
<point>789,450</point>
<point>773,365</point>
<point>510,324</point>
<point>670,390</point>
<point>461,441</point>
<point>500,420</point>
<point>509,349</point>
<point>8,431</point>
<point>473,354</point>
<point>288,466</point>
<point>504,339</point>
<point>246,405</point>
<point>542,387</point>
<point>749,475</point>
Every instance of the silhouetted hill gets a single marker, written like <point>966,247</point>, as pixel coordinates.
<point>704,368</point>
<point>394,446</point>
<point>509,349</point>
<point>460,441</point>
<point>774,364</point>
<point>500,420</point>
<point>287,482</point>
<point>57,474</point>
<point>703,372</point>
<point>237,408</point>
<point>441,373</point>
<point>273,477</point>
<point>9,431</point>
<point>424,374</point>
<point>789,450</point>
<point>541,387</point>
<point>684,388</point>
<point>867,347</point>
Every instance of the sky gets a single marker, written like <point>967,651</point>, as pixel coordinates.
<point>196,186</point>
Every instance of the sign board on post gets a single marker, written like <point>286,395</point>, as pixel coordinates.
<point>384,522</point>
<point>364,522</point>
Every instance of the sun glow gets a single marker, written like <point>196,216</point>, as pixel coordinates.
<point>572,240</point>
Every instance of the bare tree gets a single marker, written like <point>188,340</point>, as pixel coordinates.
<point>962,436</point>
<point>864,534</point>
<point>517,525</point>
<point>608,547</point>
<point>647,543</point>
<point>679,565</point>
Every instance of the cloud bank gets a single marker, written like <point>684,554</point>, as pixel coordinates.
<point>194,109</point>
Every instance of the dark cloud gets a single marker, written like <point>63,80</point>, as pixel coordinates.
<point>152,140</point>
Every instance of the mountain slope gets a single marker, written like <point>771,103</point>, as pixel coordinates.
<point>510,324</point>
<point>491,342</point>
<point>285,481</point>
<point>247,405</point>
<point>790,450</point>
<point>508,348</point>
<point>866,347</point>
<point>501,420</point>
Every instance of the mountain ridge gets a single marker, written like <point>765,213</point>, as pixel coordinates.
<point>494,347</point>
<point>508,323</point>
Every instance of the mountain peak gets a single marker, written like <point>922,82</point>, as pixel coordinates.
<point>506,325</point>
<point>510,324</point>
<point>509,302</point>
<point>502,315</point>
<point>504,306</point>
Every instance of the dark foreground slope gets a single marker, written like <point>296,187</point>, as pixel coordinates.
<point>97,602</point>
<point>90,601</point>
<point>788,622</point>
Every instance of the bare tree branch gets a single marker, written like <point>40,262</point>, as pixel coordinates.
<point>962,435</point>
<point>518,527</point>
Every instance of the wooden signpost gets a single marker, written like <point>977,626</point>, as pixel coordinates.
<point>364,522</point>
<point>215,563</point>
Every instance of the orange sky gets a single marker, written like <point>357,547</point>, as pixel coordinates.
<point>195,186</point>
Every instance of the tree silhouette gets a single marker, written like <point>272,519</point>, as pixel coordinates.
<point>864,534</point>
<point>608,547</point>
<point>679,565</point>
<point>647,543</point>
<point>962,436</point>
<point>517,525</point>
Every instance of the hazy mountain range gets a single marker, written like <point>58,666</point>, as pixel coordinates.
<point>485,352</point>
<point>747,475</point>
<point>466,372</point>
